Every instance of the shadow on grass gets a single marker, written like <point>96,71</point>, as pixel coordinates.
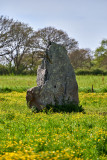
<point>65,108</point>
<point>8,90</point>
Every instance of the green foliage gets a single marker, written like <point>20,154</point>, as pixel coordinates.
<point>91,72</point>
<point>6,70</point>
<point>3,70</point>
<point>81,58</point>
<point>101,54</point>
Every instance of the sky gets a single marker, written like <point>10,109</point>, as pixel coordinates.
<point>83,20</point>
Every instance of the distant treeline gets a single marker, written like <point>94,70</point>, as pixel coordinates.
<point>22,49</point>
<point>4,70</point>
<point>91,72</point>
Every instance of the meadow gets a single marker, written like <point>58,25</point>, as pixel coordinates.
<point>28,136</point>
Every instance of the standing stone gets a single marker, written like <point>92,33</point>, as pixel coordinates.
<point>56,80</point>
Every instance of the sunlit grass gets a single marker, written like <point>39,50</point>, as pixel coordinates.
<point>54,136</point>
<point>91,102</point>
<point>94,102</point>
<point>22,83</point>
<point>16,83</point>
<point>86,82</point>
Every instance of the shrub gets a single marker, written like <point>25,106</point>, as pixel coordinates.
<point>91,72</point>
<point>97,72</point>
<point>3,70</point>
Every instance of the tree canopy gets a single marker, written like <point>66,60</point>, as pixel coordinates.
<point>81,58</point>
<point>15,40</point>
<point>101,54</point>
<point>43,36</point>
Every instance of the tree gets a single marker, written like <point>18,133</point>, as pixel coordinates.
<point>81,58</point>
<point>17,41</point>
<point>44,36</point>
<point>30,61</point>
<point>101,54</point>
<point>5,25</point>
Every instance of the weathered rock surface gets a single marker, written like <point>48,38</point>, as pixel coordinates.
<point>56,80</point>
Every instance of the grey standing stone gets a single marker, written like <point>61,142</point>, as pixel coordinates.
<point>56,80</point>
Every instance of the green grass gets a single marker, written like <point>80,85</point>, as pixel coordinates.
<point>59,136</point>
<point>85,83</point>
<point>16,83</point>
<point>22,83</point>
<point>28,136</point>
<point>94,102</point>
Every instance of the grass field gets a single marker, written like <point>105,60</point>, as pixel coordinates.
<point>22,83</point>
<point>28,136</point>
